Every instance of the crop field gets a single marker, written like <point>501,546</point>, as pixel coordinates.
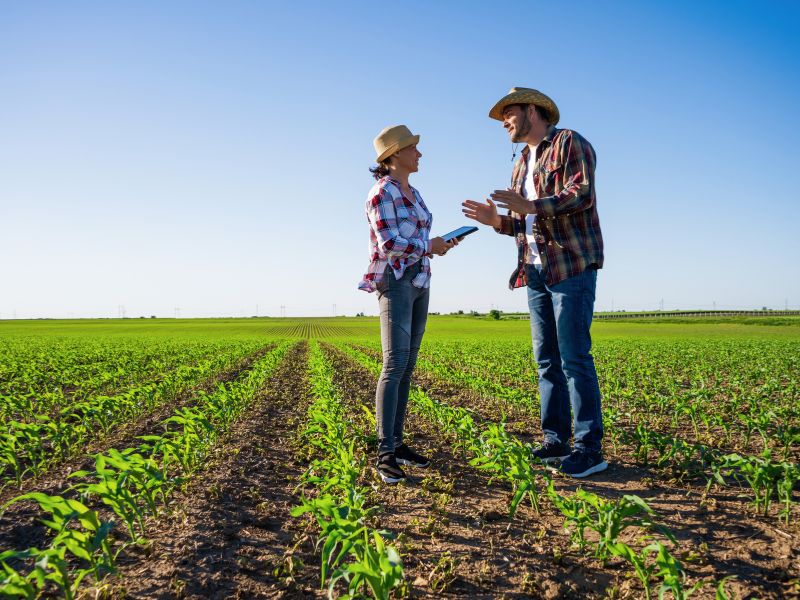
<point>231,458</point>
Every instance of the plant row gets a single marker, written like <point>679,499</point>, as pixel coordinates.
<point>742,394</point>
<point>30,448</point>
<point>508,459</point>
<point>352,551</point>
<point>768,476</point>
<point>131,484</point>
<point>38,373</point>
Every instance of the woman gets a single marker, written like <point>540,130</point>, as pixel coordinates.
<point>399,271</point>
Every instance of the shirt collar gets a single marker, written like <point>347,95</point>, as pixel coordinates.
<point>398,184</point>
<point>548,138</point>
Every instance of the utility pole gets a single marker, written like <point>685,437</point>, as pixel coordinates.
<point>661,305</point>
<point>334,310</point>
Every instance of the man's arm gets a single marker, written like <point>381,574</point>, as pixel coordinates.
<point>486,214</point>
<point>506,226</point>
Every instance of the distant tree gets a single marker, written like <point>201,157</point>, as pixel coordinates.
<point>495,314</point>
<point>461,312</point>
<point>152,316</point>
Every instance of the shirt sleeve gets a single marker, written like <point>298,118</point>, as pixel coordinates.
<point>383,221</point>
<point>577,169</point>
<point>506,225</point>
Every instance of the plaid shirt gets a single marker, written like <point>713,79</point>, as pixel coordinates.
<point>397,235</point>
<point>567,228</point>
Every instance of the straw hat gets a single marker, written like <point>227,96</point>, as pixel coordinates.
<point>392,139</point>
<point>521,95</point>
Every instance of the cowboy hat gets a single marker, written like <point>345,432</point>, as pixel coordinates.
<point>392,139</point>
<point>521,95</point>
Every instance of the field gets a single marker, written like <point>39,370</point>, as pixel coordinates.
<point>230,458</point>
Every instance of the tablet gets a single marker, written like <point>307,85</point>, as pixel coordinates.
<point>459,233</point>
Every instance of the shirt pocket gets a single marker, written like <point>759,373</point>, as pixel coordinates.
<point>551,173</point>
<point>406,221</point>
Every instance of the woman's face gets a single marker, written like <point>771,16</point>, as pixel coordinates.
<point>407,159</point>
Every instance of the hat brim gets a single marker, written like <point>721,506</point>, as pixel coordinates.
<point>397,146</point>
<point>525,98</point>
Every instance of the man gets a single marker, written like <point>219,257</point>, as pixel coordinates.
<point>552,213</point>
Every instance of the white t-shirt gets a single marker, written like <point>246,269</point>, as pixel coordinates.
<point>529,191</point>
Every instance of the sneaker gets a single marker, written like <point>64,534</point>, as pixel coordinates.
<point>406,456</point>
<point>388,469</point>
<point>582,464</point>
<point>550,452</point>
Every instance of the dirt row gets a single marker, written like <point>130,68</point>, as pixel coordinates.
<point>19,523</point>
<point>230,534</point>
<point>452,520</point>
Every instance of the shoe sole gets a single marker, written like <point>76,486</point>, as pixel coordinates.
<point>403,461</point>
<point>553,459</point>
<point>388,478</point>
<point>590,471</point>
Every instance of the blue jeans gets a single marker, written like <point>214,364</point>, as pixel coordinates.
<point>404,312</point>
<point>561,316</point>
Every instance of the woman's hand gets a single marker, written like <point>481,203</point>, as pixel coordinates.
<point>512,201</point>
<point>440,247</point>
<point>482,213</point>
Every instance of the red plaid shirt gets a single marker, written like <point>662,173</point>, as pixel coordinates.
<point>567,228</point>
<point>398,234</point>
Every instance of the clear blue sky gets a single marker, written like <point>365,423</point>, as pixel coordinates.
<point>213,156</point>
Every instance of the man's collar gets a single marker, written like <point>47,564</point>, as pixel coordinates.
<point>548,137</point>
<point>551,133</point>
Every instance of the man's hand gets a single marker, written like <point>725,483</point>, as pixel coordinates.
<point>440,247</point>
<point>482,213</point>
<point>511,200</point>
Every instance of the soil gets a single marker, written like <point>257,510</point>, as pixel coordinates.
<point>230,534</point>
<point>19,523</point>
<point>456,538</point>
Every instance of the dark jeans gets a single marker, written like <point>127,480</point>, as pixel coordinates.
<point>404,311</point>
<point>561,316</point>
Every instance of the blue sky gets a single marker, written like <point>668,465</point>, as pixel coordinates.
<point>213,156</point>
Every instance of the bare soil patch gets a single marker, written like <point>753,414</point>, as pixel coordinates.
<point>230,535</point>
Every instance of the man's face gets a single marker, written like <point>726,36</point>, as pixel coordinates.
<point>407,159</point>
<point>517,122</point>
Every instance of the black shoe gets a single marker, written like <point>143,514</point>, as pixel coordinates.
<point>406,456</point>
<point>550,452</point>
<point>582,464</point>
<point>388,469</point>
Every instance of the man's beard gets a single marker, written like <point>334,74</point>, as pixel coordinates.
<point>523,130</point>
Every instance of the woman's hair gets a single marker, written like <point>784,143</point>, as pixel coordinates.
<point>380,170</point>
